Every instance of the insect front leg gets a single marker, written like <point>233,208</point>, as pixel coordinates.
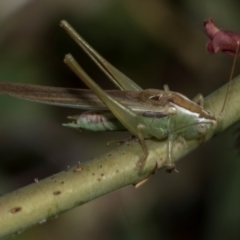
<point>199,99</point>
<point>142,160</point>
<point>169,163</point>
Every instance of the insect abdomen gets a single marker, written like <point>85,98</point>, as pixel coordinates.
<point>96,121</point>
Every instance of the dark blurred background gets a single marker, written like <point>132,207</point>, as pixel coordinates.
<point>154,43</point>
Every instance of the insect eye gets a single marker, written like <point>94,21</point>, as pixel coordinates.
<point>201,128</point>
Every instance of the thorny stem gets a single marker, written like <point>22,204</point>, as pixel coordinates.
<point>44,199</point>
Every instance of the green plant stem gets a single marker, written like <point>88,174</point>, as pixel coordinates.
<point>42,200</point>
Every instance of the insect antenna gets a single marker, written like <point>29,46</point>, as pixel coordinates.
<point>230,77</point>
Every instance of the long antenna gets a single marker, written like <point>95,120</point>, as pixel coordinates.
<point>231,76</point>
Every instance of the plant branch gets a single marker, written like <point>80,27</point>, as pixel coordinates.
<point>40,201</point>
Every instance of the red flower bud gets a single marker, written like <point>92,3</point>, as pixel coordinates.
<point>221,40</point>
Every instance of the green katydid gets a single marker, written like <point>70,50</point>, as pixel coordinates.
<point>150,113</point>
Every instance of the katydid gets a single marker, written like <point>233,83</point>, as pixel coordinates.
<point>150,113</point>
